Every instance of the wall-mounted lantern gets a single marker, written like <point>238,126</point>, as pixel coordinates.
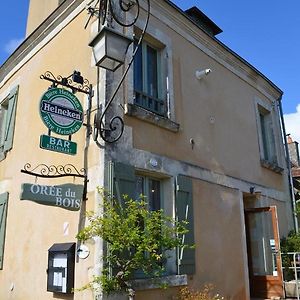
<point>109,48</point>
<point>61,265</point>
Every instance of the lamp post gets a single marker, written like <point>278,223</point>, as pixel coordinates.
<point>109,50</point>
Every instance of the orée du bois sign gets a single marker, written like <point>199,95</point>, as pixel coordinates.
<point>67,196</point>
<point>61,111</point>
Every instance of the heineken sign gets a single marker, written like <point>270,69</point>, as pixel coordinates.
<point>61,111</point>
<point>67,196</point>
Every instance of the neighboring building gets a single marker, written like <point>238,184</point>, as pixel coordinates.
<point>209,149</point>
<point>293,147</point>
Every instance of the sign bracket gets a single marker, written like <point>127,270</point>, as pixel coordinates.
<point>68,170</point>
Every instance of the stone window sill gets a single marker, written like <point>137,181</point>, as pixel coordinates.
<point>150,117</point>
<point>271,166</point>
<point>156,283</point>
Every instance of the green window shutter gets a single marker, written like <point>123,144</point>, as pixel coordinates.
<point>10,120</point>
<point>184,211</point>
<point>3,210</point>
<point>122,181</point>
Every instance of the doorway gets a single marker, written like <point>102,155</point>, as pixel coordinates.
<point>265,272</point>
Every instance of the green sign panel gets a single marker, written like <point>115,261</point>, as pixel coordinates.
<point>61,111</point>
<point>67,196</point>
<point>58,145</point>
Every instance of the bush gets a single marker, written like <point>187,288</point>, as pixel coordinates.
<point>207,293</point>
<point>137,239</point>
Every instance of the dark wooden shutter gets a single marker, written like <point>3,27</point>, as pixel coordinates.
<point>184,211</point>
<point>122,181</point>
<point>3,210</point>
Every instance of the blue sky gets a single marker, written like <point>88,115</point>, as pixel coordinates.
<point>265,33</point>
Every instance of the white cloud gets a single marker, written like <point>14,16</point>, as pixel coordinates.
<point>292,124</point>
<point>12,45</point>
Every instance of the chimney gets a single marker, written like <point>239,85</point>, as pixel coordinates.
<point>38,11</point>
<point>293,151</point>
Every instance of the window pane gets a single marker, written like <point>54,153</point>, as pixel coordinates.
<point>152,84</point>
<point>262,244</point>
<point>154,195</point>
<point>139,187</point>
<point>264,136</point>
<point>268,137</point>
<point>138,70</point>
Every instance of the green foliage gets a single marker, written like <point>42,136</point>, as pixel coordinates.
<point>291,243</point>
<point>138,239</point>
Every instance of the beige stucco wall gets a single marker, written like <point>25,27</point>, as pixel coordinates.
<point>220,240</point>
<point>31,228</point>
<point>227,145</point>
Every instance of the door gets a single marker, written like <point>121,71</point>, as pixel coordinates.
<point>264,260</point>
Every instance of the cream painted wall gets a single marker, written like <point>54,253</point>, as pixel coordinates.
<point>220,244</point>
<point>32,228</point>
<point>229,145</point>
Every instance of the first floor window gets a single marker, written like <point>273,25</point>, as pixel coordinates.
<point>148,79</point>
<point>267,135</point>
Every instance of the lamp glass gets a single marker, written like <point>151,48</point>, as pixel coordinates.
<point>109,48</point>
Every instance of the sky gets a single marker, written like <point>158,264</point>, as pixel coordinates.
<point>265,33</point>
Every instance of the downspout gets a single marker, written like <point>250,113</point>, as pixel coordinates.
<point>288,162</point>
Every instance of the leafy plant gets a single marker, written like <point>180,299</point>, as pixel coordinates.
<point>137,238</point>
<point>291,243</point>
<point>207,293</point>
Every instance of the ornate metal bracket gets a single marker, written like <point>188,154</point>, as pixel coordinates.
<point>103,8</point>
<point>45,171</point>
<point>75,82</point>
<point>111,131</point>
<point>69,170</point>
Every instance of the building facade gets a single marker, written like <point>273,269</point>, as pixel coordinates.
<point>202,140</point>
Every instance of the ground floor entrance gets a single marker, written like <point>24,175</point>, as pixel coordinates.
<point>265,273</point>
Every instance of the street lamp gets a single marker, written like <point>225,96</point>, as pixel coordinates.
<point>109,48</point>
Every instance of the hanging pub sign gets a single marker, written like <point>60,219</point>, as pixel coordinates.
<point>61,111</point>
<point>67,196</point>
<point>58,145</point>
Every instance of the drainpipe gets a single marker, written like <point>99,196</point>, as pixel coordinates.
<point>288,162</point>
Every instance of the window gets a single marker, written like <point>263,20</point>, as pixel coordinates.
<point>148,79</point>
<point>123,179</point>
<point>151,188</point>
<point>3,210</point>
<point>7,122</point>
<point>267,135</point>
